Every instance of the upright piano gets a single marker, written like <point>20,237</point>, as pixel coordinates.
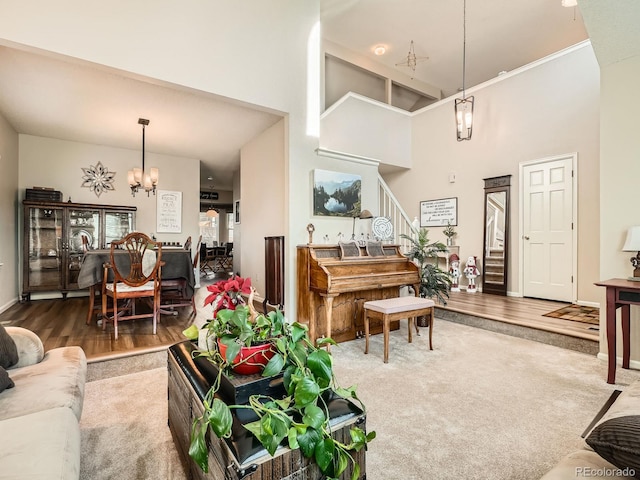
<point>332,287</point>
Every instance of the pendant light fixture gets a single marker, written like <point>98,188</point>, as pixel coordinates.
<point>211,213</point>
<point>412,60</point>
<point>138,178</point>
<point>464,105</point>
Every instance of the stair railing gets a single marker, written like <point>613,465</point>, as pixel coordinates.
<point>390,208</point>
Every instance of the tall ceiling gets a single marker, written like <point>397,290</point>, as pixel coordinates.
<point>49,96</point>
<point>501,35</point>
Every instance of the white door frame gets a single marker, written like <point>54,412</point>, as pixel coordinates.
<point>574,213</point>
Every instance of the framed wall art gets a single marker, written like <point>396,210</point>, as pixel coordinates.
<point>169,212</point>
<point>336,194</point>
<point>439,213</point>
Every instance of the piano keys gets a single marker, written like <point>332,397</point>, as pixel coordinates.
<point>332,289</point>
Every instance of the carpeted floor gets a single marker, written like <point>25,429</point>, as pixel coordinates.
<point>480,405</point>
<point>577,313</point>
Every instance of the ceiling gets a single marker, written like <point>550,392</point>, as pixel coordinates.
<point>55,97</point>
<point>501,35</point>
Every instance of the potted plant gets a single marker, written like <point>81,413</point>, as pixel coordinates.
<point>434,282</point>
<point>301,418</point>
<point>449,232</point>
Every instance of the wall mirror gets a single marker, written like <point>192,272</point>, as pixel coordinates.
<point>496,235</point>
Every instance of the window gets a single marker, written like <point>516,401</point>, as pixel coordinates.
<point>230,226</point>
<point>208,229</point>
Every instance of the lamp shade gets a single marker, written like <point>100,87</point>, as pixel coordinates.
<point>632,244</point>
<point>365,214</point>
<point>212,213</point>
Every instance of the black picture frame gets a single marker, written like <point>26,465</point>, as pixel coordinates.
<point>439,212</point>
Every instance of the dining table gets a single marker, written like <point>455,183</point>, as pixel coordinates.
<point>177,265</point>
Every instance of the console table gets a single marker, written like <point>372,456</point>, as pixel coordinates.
<point>620,294</point>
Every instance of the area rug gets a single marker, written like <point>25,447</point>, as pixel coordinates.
<point>480,405</point>
<point>577,313</point>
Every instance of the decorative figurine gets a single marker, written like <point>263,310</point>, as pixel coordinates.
<point>310,230</point>
<point>471,271</point>
<point>454,272</point>
<point>326,238</point>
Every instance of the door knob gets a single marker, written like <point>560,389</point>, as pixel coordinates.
<point>525,237</point>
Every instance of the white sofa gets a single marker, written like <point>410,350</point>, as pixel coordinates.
<point>616,436</point>
<point>39,416</point>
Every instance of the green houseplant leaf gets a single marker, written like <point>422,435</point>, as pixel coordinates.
<point>300,419</point>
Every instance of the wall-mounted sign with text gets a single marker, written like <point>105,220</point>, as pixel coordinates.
<point>169,212</point>
<point>439,213</point>
<point>208,195</point>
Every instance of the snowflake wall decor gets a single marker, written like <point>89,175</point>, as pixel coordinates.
<point>98,178</point>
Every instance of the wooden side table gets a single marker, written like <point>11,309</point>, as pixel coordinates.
<point>620,294</point>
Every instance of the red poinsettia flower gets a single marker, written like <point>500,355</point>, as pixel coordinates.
<point>227,294</point>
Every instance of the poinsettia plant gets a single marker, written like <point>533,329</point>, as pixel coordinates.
<point>227,294</point>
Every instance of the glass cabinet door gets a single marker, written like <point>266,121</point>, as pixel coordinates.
<point>117,225</point>
<point>83,233</point>
<point>45,247</point>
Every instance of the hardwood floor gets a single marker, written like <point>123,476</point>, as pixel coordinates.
<point>62,322</point>
<point>527,312</point>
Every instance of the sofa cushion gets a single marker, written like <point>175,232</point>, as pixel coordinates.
<point>42,445</point>
<point>8,349</point>
<point>5,380</point>
<point>29,345</point>
<point>57,381</point>
<point>618,441</point>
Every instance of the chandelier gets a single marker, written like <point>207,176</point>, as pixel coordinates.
<point>138,178</point>
<point>464,105</point>
<point>412,60</point>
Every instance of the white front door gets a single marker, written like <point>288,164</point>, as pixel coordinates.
<point>547,222</point>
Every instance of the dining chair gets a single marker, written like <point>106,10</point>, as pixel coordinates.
<point>139,278</point>
<point>94,290</point>
<point>174,290</point>
<point>207,259</point>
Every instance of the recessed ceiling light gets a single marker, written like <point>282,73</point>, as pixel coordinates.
<point>379,50</point>
<point>569,3</point>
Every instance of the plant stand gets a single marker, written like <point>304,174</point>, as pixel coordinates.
<point>242,456</point>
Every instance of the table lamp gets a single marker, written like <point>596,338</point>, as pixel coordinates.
<point>363,216</point>
<point>632,244</point>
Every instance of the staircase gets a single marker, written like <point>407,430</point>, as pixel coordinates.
<point>493,270</point>
<point>390,208</point>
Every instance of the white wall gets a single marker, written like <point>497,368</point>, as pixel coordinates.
<point>549,109</point>
<point>262,186</point>
<point>10,204</point>
<point>619,173</point>
<point>370,129</point>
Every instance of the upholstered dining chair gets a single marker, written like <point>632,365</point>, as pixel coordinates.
<point>139,278</point>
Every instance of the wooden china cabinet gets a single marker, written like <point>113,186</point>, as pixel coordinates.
<point>53,241</point>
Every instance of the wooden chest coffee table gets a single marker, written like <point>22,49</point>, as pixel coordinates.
<point>242,456</point>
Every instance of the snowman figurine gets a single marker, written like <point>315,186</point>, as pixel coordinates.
<point>454,272</point>
<point>471,271</point>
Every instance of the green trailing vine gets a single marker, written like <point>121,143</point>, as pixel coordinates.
<point>301,418</point>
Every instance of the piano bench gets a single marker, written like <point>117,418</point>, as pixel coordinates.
<point>392,309</point>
